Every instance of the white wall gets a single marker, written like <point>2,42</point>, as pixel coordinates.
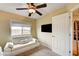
<point>44,37</point>
<point>47,37</point>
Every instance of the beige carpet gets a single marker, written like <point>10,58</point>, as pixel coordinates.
<point>39,51</point>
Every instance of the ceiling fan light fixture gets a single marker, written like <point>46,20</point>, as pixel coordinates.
<point>31,11</point>
<point>32,8</point>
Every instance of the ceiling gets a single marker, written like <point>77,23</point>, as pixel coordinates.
<point>11,7</point>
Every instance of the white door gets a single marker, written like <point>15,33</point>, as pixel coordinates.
<point>61,34</point>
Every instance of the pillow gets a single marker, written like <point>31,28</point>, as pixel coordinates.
<point>0,49</point>
<point>10,45</point>
<point>1,53</point>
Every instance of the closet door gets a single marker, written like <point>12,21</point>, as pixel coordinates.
<point>61,34</point>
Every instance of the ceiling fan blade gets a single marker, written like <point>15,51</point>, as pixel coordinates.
<point>21,8</point>
<point>30,14</point>
<point>32,4</point>
<point>41,6</point>
<point>38,13</point>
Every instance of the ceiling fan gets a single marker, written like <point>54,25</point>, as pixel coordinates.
<point>33,8</point>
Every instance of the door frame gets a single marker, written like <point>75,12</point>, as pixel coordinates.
<point>72,26</point>
<point>69,33</point>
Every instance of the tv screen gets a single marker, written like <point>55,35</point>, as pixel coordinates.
<point>46,28</point>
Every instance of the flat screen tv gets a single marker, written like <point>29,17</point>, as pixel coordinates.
<point>46,28</point>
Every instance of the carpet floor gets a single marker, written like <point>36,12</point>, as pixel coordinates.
<point>39,51</point>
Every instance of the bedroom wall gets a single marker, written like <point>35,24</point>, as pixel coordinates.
<point>34,32</point>
<point>44,37</point>
<point>5,19</point>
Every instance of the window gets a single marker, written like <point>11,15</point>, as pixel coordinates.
<point>26,30</point>
<point>16,30</point>
<point>20,30</point>
<point>20,33</point>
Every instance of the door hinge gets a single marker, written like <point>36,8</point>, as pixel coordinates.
<point>69,34</point>
<point>69,51</point>
<point>69,17</point>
